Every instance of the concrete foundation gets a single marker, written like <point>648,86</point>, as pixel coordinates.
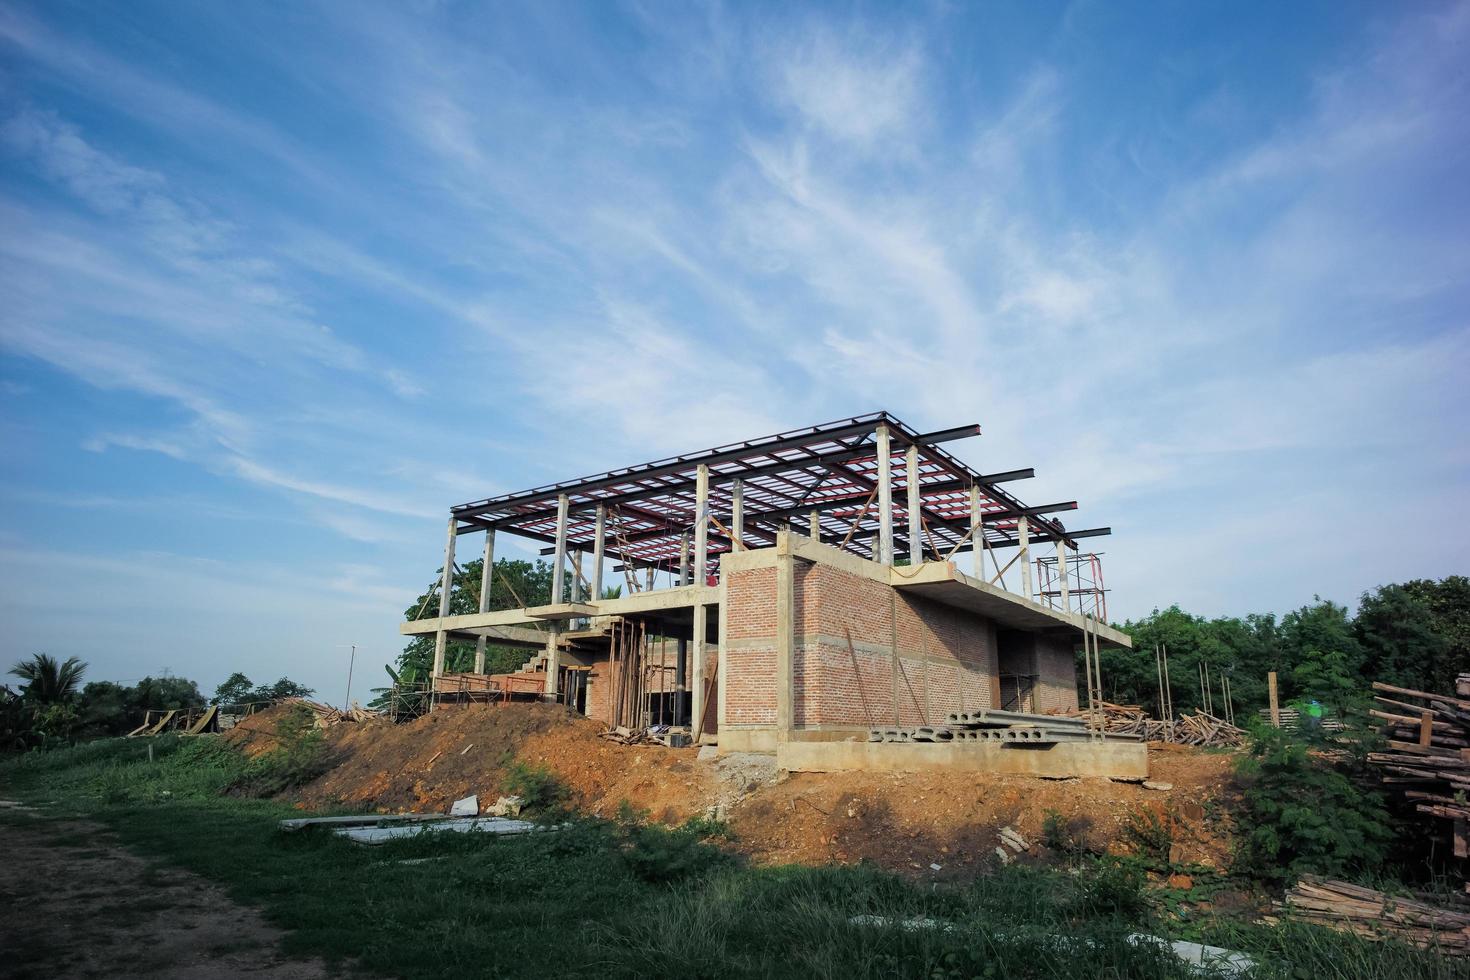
<point>1126,760</point>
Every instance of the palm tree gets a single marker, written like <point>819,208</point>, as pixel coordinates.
<point>49,682</point>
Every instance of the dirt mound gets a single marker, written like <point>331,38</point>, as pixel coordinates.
<point>427,764</point>
<point>910,821</point>
<point>903,821</point>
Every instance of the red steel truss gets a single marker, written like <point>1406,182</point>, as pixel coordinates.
<point>831,469</point>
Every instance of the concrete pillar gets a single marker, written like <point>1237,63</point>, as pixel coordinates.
<point>885,496</point>
<point>486,574</point>
<point>814,525</point>
<point>916,525</point>
<point>1023,533</point>
<point>785,635</point>
<point>599,552</point>
<point>553,661</point>
<point>446,584</point>
<point>977,532</point>
<point>737,514</point>
<point>558,571</point>
<point>681,658</point>
<point>701,614</point>
<point>1062,573</point>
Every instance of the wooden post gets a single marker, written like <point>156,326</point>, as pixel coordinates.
<point>1271,694</point>
<point>885,496</point>
<point>1426,728</point>
<point>486,573</point>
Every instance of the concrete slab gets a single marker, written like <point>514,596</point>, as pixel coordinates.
<point>1118,759</point>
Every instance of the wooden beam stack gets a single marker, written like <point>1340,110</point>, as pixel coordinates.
<point>1375,915</point>
<point>1199,728</point>
<point>1429,752</point>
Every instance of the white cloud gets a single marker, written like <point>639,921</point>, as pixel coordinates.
<point>854,87</point>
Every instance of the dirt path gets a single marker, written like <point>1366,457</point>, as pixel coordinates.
<point>74,903</point>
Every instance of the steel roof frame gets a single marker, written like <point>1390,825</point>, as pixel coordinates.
<point>830,469</point>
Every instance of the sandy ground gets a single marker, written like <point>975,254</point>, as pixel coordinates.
<point>74,903</point>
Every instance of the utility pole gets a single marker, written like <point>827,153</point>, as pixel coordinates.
<point>352,659</point>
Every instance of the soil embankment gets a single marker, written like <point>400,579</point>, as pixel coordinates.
<point>904,821</point>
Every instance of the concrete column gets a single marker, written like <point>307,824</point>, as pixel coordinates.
<point>701,522</point>
<point>599,552</point>
<point>885,496</point>
<point>446,584</point>
<point>1062,572</point>
<point>737,514</point>
<point>916,525</point>
<point>1023,533</point>
<point>701,614</point>
<point>684,559</point>
<point>681,657</point>
<point>553,661</point>
<point>486,574</point>
<point>977,532</point>
<point>814,525</point>
<point>558,571</point>
<point>785,635</point>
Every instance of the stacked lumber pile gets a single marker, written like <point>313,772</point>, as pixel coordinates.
<point>1365,912</point>
<point>326,715</point>
<point>1429,752</point>
<point>1200,728</point>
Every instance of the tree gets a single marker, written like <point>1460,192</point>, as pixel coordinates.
<point>47,681</point>
<point>514,585</point>
<point>1416,634</point>
<point>235,690</point>
<point>281,690</point>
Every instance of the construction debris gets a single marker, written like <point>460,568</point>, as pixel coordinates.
<point>1003,727</point>
<point>652,735</point>
<point>506,806</point>
<point>1375,915</point>
<point>467,807</point>
<point>478,825</point>
<point>1429,752</point>
<point>1200,728</point>
<point>357,820</point>
<point>326,715</point>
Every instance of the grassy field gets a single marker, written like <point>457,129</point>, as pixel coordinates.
<point>619,898</point>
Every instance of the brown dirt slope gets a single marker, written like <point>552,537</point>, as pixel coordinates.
<point>904,821</point>
<point>429,763</point>
<point>915,820</point>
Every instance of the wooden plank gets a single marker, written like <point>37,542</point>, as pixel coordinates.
<point>1275,704</point>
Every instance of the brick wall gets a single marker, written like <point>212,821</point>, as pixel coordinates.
<point>1056,674</point>
<point>750,647</point>
<point>946,658</point>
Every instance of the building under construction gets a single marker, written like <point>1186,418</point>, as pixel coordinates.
<point>810,588</point>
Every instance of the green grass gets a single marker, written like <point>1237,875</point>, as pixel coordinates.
<point>625,899</point>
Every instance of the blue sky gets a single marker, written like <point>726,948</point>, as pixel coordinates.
<point>279,283</point>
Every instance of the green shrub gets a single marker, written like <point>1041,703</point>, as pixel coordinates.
<point>539,787</point>
<point>1300,815</point>
<point>299,756</point>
